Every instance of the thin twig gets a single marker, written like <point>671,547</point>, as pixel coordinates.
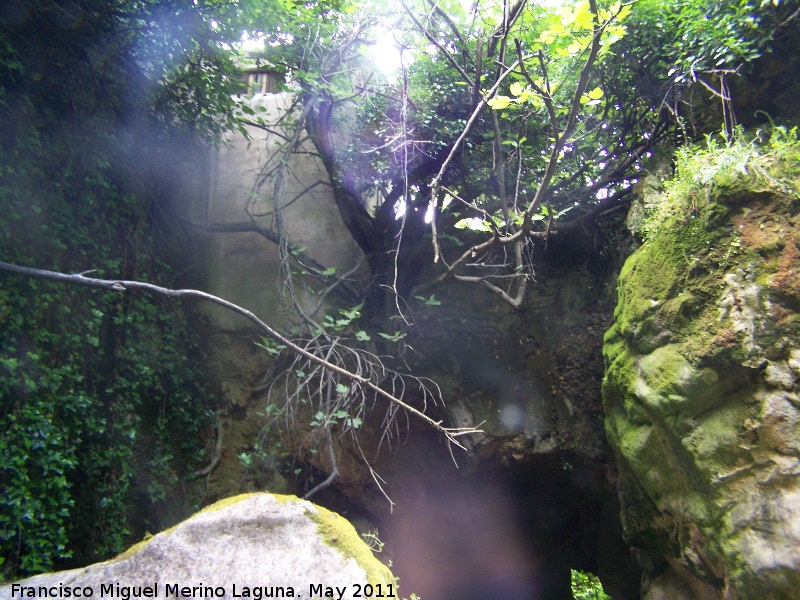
<point>334,468</point>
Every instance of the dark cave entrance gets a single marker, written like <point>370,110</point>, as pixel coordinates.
<point>506,533</point>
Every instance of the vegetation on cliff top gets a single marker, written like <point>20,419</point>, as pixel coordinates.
<point>688,246</point>
<point>727,161</point>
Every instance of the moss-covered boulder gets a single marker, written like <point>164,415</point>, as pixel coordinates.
<point>251,546</point>
<point>702,391</point>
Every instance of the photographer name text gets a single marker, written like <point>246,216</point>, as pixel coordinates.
<point>175,590</point>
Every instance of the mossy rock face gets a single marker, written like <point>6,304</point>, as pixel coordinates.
<point>253,545</point>
<point>702,396</point>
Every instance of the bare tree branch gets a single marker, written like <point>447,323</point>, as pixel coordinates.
<point>468,127</point>
<point>314,268</point>
<point>451,433</point>
<point>583,80</point>
<point>432,39</point>
<point>561,135</point>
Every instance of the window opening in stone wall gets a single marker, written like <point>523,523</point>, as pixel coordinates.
<point>263,82</point>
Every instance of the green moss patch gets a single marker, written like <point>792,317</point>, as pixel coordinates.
<point>710,299</point>
<point>340,534</point>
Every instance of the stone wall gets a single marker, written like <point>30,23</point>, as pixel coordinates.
<point>244,267</point>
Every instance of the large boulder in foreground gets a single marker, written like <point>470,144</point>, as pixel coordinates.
<point>702,391</point>
<point>251,546</point>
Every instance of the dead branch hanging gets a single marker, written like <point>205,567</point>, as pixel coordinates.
<point>451,433</point>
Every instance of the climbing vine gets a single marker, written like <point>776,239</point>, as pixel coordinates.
<point>92,389</point>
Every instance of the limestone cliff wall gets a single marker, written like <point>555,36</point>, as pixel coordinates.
<point>702,390</point>
<point>239,182</point>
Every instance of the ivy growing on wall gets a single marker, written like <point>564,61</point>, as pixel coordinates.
<point>103,401</point>
<point>93,387</point>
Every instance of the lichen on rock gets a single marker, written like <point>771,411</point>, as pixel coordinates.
<point>258,542</point>
<point>701,389</point>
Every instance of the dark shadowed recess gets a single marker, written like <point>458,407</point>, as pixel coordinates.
<point>490,532</point>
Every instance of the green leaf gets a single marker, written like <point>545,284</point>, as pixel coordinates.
<point>595,94</point>
<point>394,338</point>
<point>352,313</point>
<point>473,224</point>
<point>582,16</point>
<point>499,102</point>
<point>432,301</point>
<point>516,88</point>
